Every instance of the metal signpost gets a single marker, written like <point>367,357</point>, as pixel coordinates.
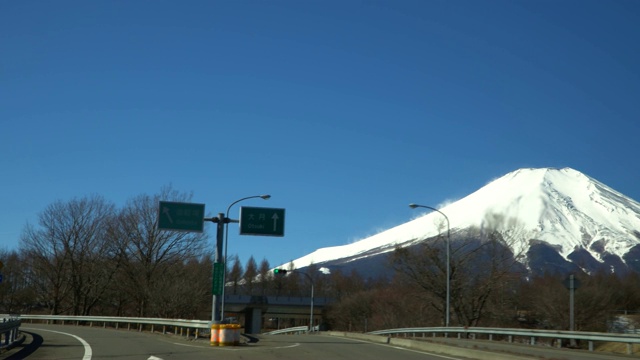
<point>179,216</point>
<point>261,221</point>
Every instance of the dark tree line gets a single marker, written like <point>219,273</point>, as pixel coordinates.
<point>86,256</point>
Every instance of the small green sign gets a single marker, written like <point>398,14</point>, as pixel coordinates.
<point>178,216</point>
<point>261,221</point>
<point>218,278</point>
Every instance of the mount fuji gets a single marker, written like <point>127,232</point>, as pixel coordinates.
<point>570,222</point>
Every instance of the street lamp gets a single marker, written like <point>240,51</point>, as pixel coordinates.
<point>226,240</point>
<point>283,272</point>
<point>413,206</point>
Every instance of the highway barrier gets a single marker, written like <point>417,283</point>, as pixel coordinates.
<point>215,334</point>
<point>9,331</point>
<point>229,334</point>
<point>531,335</point>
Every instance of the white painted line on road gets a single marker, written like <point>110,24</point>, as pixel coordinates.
<point>406,349</point>
<point>236,348</point>
<point>154,358</point>
<point>87,348</point>
<point>424,352</point>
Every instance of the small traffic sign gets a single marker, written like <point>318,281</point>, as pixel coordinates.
<point>571,282</point>
<point>218,278</point>
<point>179,216</point>
<point>261,221</point>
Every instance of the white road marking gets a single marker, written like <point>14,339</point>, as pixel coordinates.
<point>236,348</point>
<point>87,348</point>
<point>406,349</point>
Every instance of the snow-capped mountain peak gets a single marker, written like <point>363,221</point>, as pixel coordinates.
<point>561,207</point>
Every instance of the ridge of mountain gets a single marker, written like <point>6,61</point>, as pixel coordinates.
<point>578,217</point>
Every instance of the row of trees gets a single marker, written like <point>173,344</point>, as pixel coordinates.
<point>85,256</point>
<point>88,257</point>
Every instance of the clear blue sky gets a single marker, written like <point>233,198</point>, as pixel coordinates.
<point>343,111</point>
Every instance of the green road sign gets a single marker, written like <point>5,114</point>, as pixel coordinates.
<point>261,221</point>
<point>179,216</point>
<point>218,278</point>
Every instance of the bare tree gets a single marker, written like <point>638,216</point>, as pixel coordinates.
<point>234,276</point>
<point>265,275</point>
<point>481,259</point>
<point>16,293</point>
<point>147,253</point>
<point>69,253</point>
<point>250,275</point>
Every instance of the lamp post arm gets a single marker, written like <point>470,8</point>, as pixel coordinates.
<point>448,260</point>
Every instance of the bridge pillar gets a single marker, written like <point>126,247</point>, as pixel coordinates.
<point>253,320</point>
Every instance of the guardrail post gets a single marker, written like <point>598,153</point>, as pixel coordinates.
<point>510,338</point>
<point>533,340</point>
<point>629,348</point>
<point>490,337</point>
<point>590,345</point>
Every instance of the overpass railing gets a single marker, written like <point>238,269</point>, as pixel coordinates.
<point>530,334</point>
<point>293,330</point>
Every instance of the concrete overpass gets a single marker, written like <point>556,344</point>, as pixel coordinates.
<point>257,310</point>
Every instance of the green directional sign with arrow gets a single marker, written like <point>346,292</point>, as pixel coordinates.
<point>261,221</point>
<point>178,216</point>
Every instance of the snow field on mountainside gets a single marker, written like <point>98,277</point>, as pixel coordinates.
<point>562,207</point>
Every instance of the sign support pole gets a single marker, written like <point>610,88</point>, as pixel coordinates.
<point>216,300</point>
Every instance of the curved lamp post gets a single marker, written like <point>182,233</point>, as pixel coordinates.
<point>413,206</point>
<point>283,272</point>
<point>226,240</point>
<point>310,316</point>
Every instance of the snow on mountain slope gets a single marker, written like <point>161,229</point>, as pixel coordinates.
<point>561,207</point>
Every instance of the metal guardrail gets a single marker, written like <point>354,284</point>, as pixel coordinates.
<point>297,329</point>
<point>9,330</point>
<point>531,334</point>
<point>182,324</point>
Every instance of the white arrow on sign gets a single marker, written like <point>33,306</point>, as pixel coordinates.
<point>275,220</point>
<point>165,210</point>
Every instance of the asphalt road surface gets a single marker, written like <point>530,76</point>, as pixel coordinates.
<point>76,342</point>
